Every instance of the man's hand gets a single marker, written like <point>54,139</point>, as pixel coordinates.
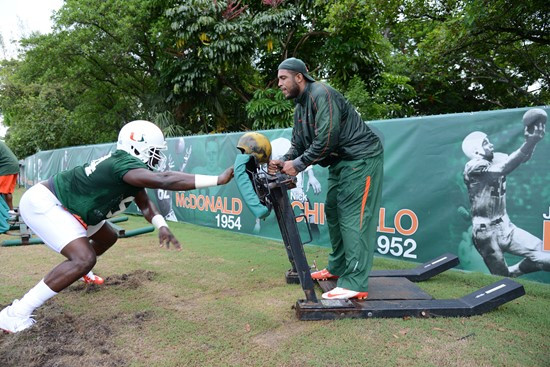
<point>226,176</point>
<point>536,135</point>
<point>288,168</point>
<point>274,166</point>
<point>166,238</point>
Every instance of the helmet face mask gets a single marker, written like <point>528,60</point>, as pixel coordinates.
<point>143,140</point>
<point>255,144</point>
<point>156,157</point>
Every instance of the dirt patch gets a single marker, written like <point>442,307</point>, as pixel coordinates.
<point>125,281</point>
<point>278,337</point>
<point>61,339</point>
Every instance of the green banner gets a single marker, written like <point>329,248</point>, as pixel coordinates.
<point>426,209</point>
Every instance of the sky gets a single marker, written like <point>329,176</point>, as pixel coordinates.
<point>19,18</point>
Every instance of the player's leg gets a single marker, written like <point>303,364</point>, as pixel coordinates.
<point>81,258</point>
<point>485,240</point>
<point>530,247</point>
<point>102,236</point>
<point>9,200</point>
<point>60,231</point>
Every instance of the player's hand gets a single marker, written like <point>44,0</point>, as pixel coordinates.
<point>536,135</point>
<point>314,184</point>
<point>274,166</point>
<point>288,168</point>
<point>226,176</point>
<point>166,238</point>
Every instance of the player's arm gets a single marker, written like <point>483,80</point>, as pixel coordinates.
<point>152,214</point>
<point>173,180</point>
<point>523,154</point>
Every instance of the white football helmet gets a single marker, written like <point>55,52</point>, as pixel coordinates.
<point>143,140</point>
<point>472,144</point>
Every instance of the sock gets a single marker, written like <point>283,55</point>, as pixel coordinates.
<point>34,298</point>
<point>91,275</point>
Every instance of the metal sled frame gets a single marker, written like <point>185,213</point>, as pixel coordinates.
<point>26,235</point>
<point>392,293</point>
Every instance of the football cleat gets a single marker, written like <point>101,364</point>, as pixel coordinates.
<point>323,275</point>
<point>12,323</point>
<point>343,293</point>
<point>93,279</point>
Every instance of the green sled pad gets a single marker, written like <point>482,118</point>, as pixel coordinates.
<point>244,184</point>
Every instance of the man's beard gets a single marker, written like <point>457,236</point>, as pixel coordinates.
<point>293,92</point>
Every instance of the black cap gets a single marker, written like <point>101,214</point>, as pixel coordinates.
<point>297,65</point>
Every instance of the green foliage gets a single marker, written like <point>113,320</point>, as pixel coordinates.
<point>269,109</point>
<point>203,66</point>
<point>351,48</point>
<point>392,99</point>
<point>475,55</point>
<point>81,83</point>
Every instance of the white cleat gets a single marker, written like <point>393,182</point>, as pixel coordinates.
<point>12,323</point>
<point>343,293</point>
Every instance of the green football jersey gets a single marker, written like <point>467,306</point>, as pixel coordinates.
<point>9,164</point>
<point>96,190</point>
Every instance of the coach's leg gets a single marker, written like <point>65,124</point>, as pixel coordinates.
<point>359,205</point>
<point>336,258</point>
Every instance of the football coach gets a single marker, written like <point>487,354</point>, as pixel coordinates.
<point>328,131</point>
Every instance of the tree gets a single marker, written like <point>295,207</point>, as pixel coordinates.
<point>202,66</point>
<point>472,55</point>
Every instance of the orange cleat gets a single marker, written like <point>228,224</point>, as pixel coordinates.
<point>323,275</point>
<point>343,293</point>
<point>95,280</point>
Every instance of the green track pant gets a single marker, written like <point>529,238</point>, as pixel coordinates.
<point>352,208</point>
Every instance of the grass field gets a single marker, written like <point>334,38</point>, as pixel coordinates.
<point>222,301</point>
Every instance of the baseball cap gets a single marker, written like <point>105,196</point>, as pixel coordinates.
<point>297,65</point>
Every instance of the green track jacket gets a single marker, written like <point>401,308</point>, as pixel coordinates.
<point>327,129</point>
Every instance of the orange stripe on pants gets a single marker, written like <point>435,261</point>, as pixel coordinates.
<point>365,196</point>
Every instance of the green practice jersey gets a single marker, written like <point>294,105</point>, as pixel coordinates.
<point>9,164</point>
<point>96,190</point>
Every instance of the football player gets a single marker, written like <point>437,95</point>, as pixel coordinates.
<point>492,231</point>
<point>68,211</point>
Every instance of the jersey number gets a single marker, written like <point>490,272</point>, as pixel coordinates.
<point>93,164</point>
<point>121,207</point>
